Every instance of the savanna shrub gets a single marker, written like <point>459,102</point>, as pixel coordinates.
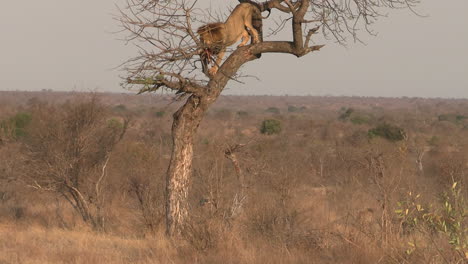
<point>114,123</point>
<point>160,114</point>
<point>120,108</point>
<point>387,131</point>
<point>16,124</point>
<point>353,116</point>
<point>270,127</point>
<point>293,109</point>
<point>360,119</point>
<point>454,118</point>
<point>242,113</point>
<point>273,110</point>
<point>448,218</point>
<point>346,113</point>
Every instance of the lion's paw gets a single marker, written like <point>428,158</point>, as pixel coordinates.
<point>213,70</point>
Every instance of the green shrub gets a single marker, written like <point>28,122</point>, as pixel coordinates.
<point>387,131</point>
<point>454,118</point>
<point>346,113</point>
<point>433,141</point>
<point>160,114</point>
<point>448,218</point>
<point>120,108</point>
<point>16,124</point>
<point>270,127</point>
<point>21,120</point>
<point>114,123</point>
<point>293,109</point>
<point>360,119</point>
<point>353,116</point>
<point>242,113</point>
<point>273,110</point>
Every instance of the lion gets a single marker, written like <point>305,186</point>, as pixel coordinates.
<point>218,36</point>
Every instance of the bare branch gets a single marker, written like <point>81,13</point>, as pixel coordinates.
<point>103,174</point>
<point>183,85</point>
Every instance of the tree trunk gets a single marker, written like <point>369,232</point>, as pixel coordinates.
<point>186,121</point>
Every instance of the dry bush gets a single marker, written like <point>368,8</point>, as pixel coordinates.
<point>67,152</point>
<point>143,171</point>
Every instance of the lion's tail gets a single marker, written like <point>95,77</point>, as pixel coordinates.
<point>205,60</point>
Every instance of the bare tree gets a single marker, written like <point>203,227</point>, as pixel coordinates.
<point>169,50</point>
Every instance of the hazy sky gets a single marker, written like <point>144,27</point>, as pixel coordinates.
<point>67,45</point>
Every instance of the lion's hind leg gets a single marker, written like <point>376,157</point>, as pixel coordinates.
<point>245,38</point>
<point>253,31</point>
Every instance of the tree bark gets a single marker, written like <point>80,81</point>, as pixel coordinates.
<point>186,121</point>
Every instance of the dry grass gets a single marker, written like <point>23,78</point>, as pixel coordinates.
<point>319,192</point>
<point>35,244</point>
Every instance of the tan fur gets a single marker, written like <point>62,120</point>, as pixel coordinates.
<point>211,34</point>
<point>218,36</point>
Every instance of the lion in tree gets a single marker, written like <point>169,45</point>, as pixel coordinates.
<point>216,37</point>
